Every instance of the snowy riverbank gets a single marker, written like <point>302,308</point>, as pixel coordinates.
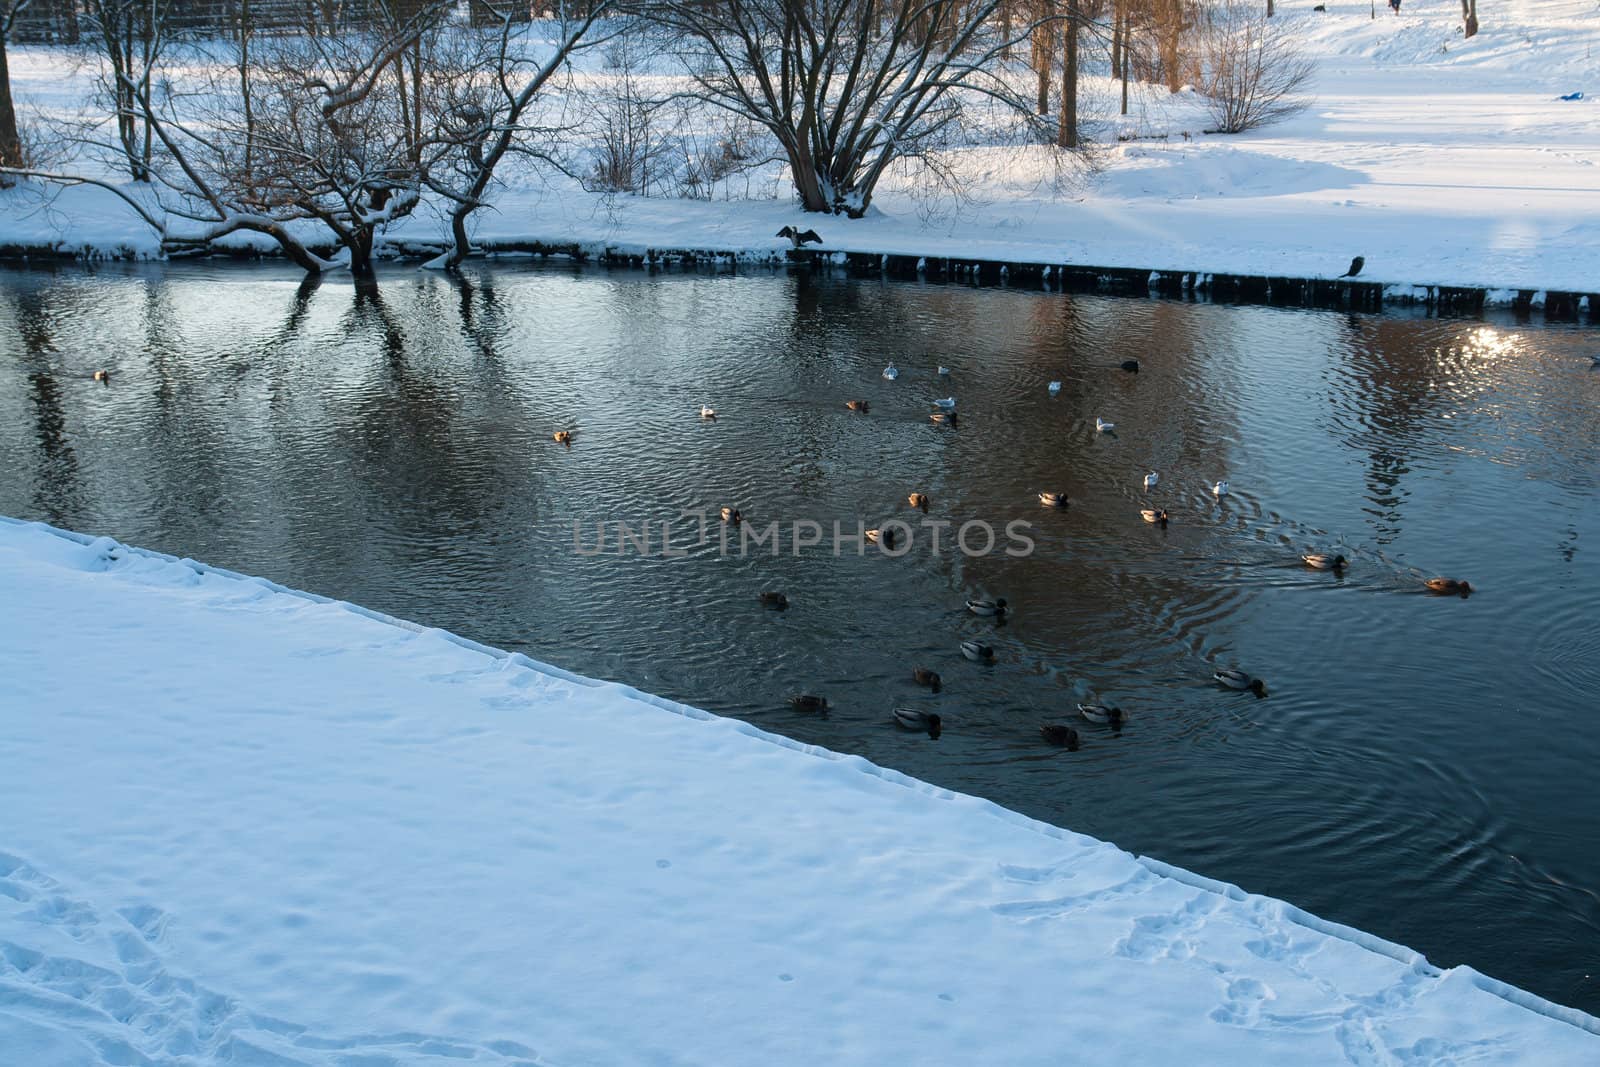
<point>1442,161</point>
<point>249,825</point>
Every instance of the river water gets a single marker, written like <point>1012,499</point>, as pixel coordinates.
<point>1426,768</point>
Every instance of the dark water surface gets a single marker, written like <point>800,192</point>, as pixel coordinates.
<point>1425,768</point>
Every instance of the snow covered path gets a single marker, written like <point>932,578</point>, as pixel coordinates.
<point>243,825</point>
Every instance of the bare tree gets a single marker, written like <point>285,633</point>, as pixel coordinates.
<point>132,34</point>
<point>1253,72</point>
<point>1469,17</point>
<point>10,139</point>
<point>846,87</point>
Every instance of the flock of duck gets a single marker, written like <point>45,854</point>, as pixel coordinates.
<point>1059,734</point>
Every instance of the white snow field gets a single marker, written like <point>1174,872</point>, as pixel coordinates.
<point>1442,161</point>
<point>242,825</point>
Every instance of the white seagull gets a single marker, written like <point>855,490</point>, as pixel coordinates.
<point>1055,387</point>
<point>944,372</point>
<point>891,372</point>
<point>1150,480</point>
<point>947,404</point>
<point>1220,489</point>
<point>1102,426</point>
<point>707,412</point>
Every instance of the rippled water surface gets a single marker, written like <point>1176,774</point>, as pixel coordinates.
<point>1425,767</point>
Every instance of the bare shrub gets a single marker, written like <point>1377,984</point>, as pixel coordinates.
<point>630,144</point>
<point>1253,72</point>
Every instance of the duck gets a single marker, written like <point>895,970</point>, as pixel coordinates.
<point>1449,586</point>
<point>563,437</point>
<point>911,719</point>
<point>1321,561</point>
<point>774,600</point>
<point>732,516</point>
<point>985,607</point>
<point>891,372</point>
<point>1057,734</point>
<point>947,417</point>
<point>1131,366</point>
<point>103,376</point>
<point>1237,679</point>
<point>1154,515</point>
<point>885,537</point>
<point>919,501</point>
<point>1150,481</point>
<point>707,412</point>
<point>947,404</point>
<point>1054,387</point>
<point>1053,500</point>
<point>977,651</point>
<point>923,676</point>
<point>799,238</point>
<point>1101,714</point>
<point>858,405</point>
<point>1102,426</point>
<point>944,372</point>
<point>1220,489</point>
<point>808,702</point>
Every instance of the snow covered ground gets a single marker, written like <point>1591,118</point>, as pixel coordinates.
<point>1443,161</point>
<point>244,825</point>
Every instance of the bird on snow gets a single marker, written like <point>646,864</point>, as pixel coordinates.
<point>1355,267</point>
<point>891,372</point>
<point>799,238</point>
<point>1102,426</point>
<point>1150,480</point>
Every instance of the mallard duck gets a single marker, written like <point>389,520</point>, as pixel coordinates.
<point>807,702</point>
<point>103,376</point>
<point>927,721</point>
<point>885,537</point>
<point>1102,426</point>
<point>1449,586</point>
<point>563,437</point>
<point>774,600</point>
<point>1237,679</point>
<point>948,417</point>
<point>1054,387</point>
<point>1057,734</point>
<point>977,652</point>
<point>1053,500</point>
<point>1220,489</point>
<point>707,412</point>
<point>947,404</point>
<point>891,372</point>
<point>985,607</point>
<point>858,405</point>
<point>1150,481</point>
<point>1154,515</point>
<point>732,516</point>
<point>1131,366</point>
<point>1101,714</point>
<point>923,676</point>
<point>1321,561</point>
<point>918,500</point>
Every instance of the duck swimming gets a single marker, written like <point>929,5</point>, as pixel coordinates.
<point>987,608</point>
<point>1053,500</point>
<point>944,372</point>
<point>732,516</point>
<point>1237,679</point>
<point>1449,587</point>
<point>1321,561</point>
<point>910,719</point>
<point>948,417</point>
<point>707,412</point>
<point>1220,489</point>
<point>1101,714</point>
<point>1154,515</point>
<point>919,501</point>
<point>1131,366</point>
<point>1054,387</point>
<point>1102,426</point>
<point>947,404</point>
<point>103,376</point>
<point>1057,734</point>
<point>807,702</point>
<point>923,676</point>
<point>977,652</point>
<point>1150,481</point>
<point>886,537</point>
<point>891,372</point>
<point>857,405</point>
<point>563,437</point>
<point>774,600</point>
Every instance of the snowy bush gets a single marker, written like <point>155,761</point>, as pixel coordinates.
<point>1253,72</point>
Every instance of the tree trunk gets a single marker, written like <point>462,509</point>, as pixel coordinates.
<point>1470,15</point>
<point>1269,9</point>
<point>1044,55</point>
<point>10,142</point>
<point>1116,39</point>
<point>1067,128</point>
<point>1127,47</point>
